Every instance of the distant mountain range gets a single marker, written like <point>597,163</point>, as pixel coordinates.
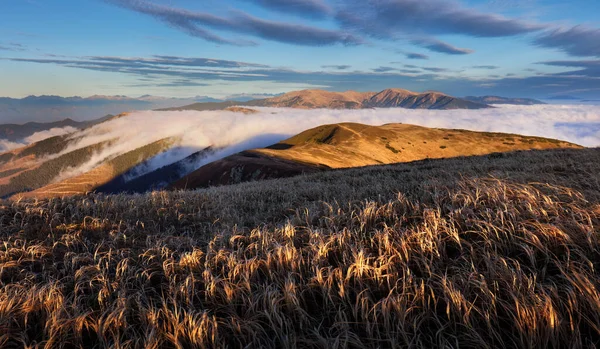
<point>315,99</point>
<point>17,132</point>
<point>56,108</point>
<point>503,100</point>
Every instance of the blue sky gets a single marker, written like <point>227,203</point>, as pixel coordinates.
<point>182,48</point>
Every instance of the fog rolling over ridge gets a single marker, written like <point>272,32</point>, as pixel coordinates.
<point>6,144</point>
<point>228,132</point>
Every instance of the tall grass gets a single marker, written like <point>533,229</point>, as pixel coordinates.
<point>486,252</point>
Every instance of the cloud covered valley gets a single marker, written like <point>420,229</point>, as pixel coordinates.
<point>228,132</point>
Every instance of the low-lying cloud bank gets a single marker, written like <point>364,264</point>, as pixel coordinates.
<point>6,145</point>
<point>233,132</point>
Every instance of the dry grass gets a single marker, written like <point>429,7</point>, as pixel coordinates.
<point>346,145</point>
<point>497,251</point>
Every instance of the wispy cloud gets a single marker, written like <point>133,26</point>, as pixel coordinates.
<point>337,66</point>
<point>577,41</point>
<point>436,69</point>
<point>488,67</point>
<point>304,8</point>
<point>12,46</point>
<point>441,47</point>
<point>589,69</point>
<point>171,71</point>
<point>413,55</point>
<point>388,18</point>
<point>196,23</point>
<point>384,69</point>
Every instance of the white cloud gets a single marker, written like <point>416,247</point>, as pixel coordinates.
<point>6,145</point>
<point>234,132</point>
<point>40,136</point>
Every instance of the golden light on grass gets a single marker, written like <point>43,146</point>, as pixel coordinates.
<point>501,254</point>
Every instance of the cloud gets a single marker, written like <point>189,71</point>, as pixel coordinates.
<point>195,23</point>
<point>41,135</point>
<point>489,67</point>
<point>175,83</point>
<point>160,70</point>
<point>577,41</point>
<point>435,69</point>
<point>412,55</point>
<point>233,132</point>
<point>12,46</point>
<point>385,18</point>
<point>180,70</point>
<point>441,47</point>
<point>384,69</point>
<point>590,69</point>
<point>6,145</point>
<point>305,8</point>
<point>338,67</point>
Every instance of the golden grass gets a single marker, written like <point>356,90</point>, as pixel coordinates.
<point>346,145</point>
<point>496,251</point>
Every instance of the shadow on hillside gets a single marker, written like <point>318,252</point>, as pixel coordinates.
<point>178,162</point>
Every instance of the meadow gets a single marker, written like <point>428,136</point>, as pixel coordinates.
<point>494,251</point>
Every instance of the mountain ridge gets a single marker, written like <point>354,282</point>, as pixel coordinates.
<point>503,100</point>
<point>322,99</point>
<point>346,145</point>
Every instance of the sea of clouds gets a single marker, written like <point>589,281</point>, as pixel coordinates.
<point>234,132</point>
<point>6,145</point>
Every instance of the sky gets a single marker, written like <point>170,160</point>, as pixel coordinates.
<point>183,48</point>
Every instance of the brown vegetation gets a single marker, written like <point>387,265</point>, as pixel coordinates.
<point>352,145</point>
<point>314,99</point>
<point>496,251</point>
<point>96,177</point>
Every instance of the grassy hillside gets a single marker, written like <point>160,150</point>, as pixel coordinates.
<point>16,132</point>
<point>157,179</point>
<point>100,175</point>
<point>353,145</point>
<point>495,251</point>
<point>38,175</point>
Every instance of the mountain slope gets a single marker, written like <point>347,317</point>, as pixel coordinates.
<point>354,145</point>
<point>315,99</point>
<point>473,252</point>
<point>17,132</point>
<point>394,98</point>
<point>310,99</point>
<point>153,180</point>
<point>33,171</point>
<point>100,175</point>
<point>503,100</point>
<point>55,108</point>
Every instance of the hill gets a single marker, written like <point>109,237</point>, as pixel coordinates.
<point>503,100</point>
<point>398,98</point>
<point>492,251</point>
<point>17,132</point>
<point>54,185</point>
<point>206,106</point>
<point>315,99</point>
<point>311,99</point>
<point>130,182</point>
<point>56,108</point>
<point>354,145</point>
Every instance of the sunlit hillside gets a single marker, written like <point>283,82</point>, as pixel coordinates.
<point>494,251</point>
